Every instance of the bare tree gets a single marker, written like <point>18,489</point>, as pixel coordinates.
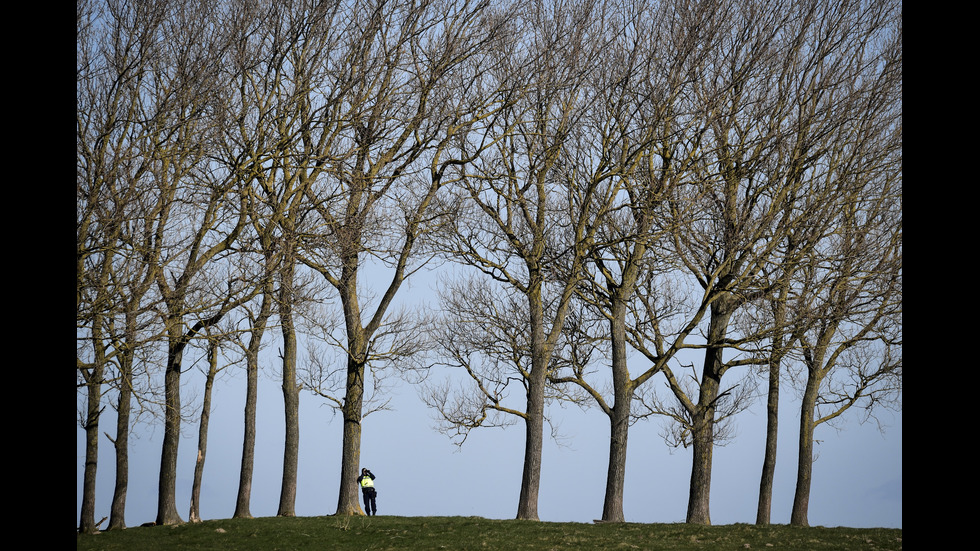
<point>117,137</point>
<point>249,113</point>
<point>644,119</point>
<point>203,217</point>
<point>827,80</point>
<point>851,345</point>
<point>527,216</point>
<point>301,123</point>
<point>847,300</point>
<point>729,246</point>
<point>775,98</point>
<point>275,51</point>
<point>133,336</point>
<point>379,189</point>
<point>588,159</point>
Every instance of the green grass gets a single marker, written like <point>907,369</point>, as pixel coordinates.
<point>475,533</point>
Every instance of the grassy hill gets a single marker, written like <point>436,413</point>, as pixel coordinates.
<point>475,533</point>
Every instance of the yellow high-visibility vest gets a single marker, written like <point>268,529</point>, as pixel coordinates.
<point>366,482</point>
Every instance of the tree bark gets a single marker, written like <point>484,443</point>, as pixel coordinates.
<point>804,469</point>
<point>202,439</point>
<point>348,502</point>
<point>764,511</point>
<point>527,505</point>
<point>243,503</point>
<point>698,504</point>
<point>117,512</point>
<point>703,418</point>
<point>619,417</point>
<point>352,408</point>
<point>166,495</point>
<point>86,523</point>
<point>612,506</point>
<point>290,394</point>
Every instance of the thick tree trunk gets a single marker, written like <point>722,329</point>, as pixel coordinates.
<point>348,502</point>
<point>612,507</point>
<point>527,505</point>
<point>619,418</point>
<point>117,512</point>
<point>166,497</point>
<point>290,394</point>
<point>698,504</point>
<point>290,388</point>
<point>804,472</point>
<point>703,419</point>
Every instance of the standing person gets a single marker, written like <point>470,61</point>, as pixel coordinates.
<point>366,480</point>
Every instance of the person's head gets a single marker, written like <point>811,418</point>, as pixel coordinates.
<point>363,470</point>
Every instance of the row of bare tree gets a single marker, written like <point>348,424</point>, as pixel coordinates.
<point>608,175</point>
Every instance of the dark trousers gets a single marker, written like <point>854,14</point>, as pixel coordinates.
<point>370,501</point>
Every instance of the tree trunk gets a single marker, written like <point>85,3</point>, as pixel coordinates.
<point>619,417</point>
<point>167,502</point>
<point>117,512</point>
<point>348,502</point>
<point>804,472</point>
<point>527,505</point>
<point>290,393</point>
<point>290,388</point>
<point>166,498</point>
<point>243,503</point>
<point>763,514</point>
<point>698,510</point>
<point>612,507</point>
<point>703,419</point>
<point>86,523</point>
<point>764,511</point>
<point>202,438</point>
